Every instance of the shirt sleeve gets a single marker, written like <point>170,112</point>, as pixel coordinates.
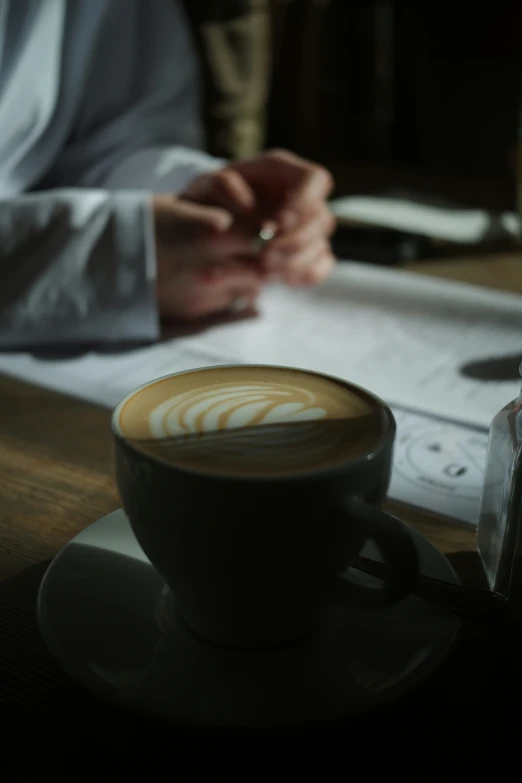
<point>77,259</point>
<point>76,266</point>
<point>139,123</point>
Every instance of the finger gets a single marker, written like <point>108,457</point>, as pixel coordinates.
<point>283,180</point>
<point>285,265</point>
<point>316,184</point>
<point>307,214</point>
<point>325,214</point>
<point>286,246</point>
<point>217,290</point>
<point>306,181</point>
<point>296,264</point>
<point>224,188</point>
<point>229,246</point>
<point>285,166</point>
<point>314,187</point>
<point>205,250</point>
<point>184,220</point>
<point>190,296</point>
<point>316,272</point>
<point>230,273</point>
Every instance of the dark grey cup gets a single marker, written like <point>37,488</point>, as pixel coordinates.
<point>249,561</point>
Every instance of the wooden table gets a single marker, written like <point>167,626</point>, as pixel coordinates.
<point>56,478</point>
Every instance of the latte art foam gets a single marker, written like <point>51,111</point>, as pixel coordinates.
<point>251,420</point>
<point>231,406</point>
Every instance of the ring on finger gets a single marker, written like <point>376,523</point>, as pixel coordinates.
<point>262,239</point>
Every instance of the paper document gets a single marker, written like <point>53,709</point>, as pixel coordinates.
<point>438,466</point>
<point>408,338</point>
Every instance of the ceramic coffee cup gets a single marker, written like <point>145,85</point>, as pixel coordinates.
<point>251,489</point>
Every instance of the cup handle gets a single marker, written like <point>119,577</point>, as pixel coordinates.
<point>397,548</point>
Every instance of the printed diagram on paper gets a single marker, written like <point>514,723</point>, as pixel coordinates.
<point>438,465</point>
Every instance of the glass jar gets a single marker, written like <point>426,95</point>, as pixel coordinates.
<point>499,533</point>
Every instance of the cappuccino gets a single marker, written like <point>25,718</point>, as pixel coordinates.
<point>251,420</point>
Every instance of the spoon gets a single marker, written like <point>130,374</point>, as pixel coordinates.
<point>471,602</point>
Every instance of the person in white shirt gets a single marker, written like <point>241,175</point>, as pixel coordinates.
<point>111,217</point>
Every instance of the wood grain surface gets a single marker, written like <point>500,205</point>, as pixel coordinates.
<point>56,478</point>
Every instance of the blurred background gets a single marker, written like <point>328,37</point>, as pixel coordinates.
<point>402,100</point>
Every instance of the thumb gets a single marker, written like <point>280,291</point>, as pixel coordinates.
<point>185,220</point>
<point>225,188</point>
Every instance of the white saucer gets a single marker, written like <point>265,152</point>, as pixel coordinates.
<point>98,608</point>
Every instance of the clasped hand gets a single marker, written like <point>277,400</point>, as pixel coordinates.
<point>205,238</point>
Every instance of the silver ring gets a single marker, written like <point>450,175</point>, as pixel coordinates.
<point>262,239</point>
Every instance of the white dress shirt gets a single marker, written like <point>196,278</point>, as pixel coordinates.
<point>98,107</point>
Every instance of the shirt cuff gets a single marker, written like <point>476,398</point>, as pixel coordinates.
<point>101,286</point>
